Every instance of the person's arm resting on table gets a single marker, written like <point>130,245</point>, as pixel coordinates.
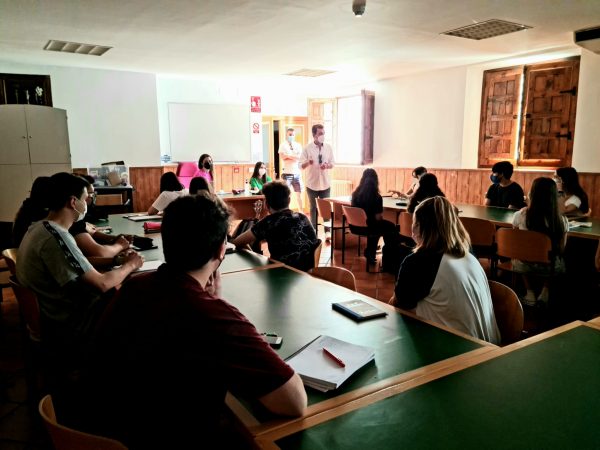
<point>108,280</point>
<point>288,399</point>
<point>89,247</point>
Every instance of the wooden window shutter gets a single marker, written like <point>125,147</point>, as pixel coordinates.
<point>549,113</point>
<point>499,121</point>
<point>368,122</point>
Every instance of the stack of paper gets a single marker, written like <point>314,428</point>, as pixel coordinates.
<point>328,369</point>
<point>576,224</point>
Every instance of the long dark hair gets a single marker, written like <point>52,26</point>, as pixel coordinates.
<point>199,184</point>
<point>170,182</point>
<point>571,186</point>
<point>368,188</point>
<point>543,214</point>
<point>428,187</point>
<point>256,175</point>
<point>212,166</point>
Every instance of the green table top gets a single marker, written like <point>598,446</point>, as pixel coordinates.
<point>298,307</point>
<point>234,262</point>
<point>498,216</point>
<point>544,395</point>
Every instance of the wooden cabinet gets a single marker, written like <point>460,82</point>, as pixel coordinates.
<point>34,141</point>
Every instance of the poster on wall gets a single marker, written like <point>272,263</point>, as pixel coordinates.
<point>255,128</point>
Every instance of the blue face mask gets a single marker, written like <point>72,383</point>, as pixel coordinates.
<point>290,139</point>
<point>495,179</point>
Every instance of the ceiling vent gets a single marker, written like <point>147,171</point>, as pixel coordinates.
<point>487,29</point>
<point>76,47</point>
<point>588,38</point>
<point>309,73</point>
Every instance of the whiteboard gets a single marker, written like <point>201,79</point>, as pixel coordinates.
<point>222,131</point>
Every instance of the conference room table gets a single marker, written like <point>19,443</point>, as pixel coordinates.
<point>234,262</point>
<point>538,393</point>
<point>298,307</point>
<point>501,217</point>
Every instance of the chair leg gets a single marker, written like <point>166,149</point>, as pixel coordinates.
<point>332,243</point>
<point>343,242</point>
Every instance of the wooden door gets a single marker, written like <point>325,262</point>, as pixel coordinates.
<point>499,120</point>
<point>549,114</point>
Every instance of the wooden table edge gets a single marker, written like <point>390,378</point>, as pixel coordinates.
<point>316,419</point>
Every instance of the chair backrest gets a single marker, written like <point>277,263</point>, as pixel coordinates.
<point>28,308</point>
<point>185,172</point>
<point>337,275</point>
<point>356,217</point>
<point>524,245</point>
<point>65,438</point>
<point>406,220</point>
<point>324,208</point>
<point>508,312</point>
<point>10,256</point>
<point>317,253</point>
<point>482,232</point>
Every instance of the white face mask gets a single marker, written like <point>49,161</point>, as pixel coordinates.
<point>261,172</point>
<point>321,139</point>
<point>81,214</point>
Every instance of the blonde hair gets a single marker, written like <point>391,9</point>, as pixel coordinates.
<point>440,228</point>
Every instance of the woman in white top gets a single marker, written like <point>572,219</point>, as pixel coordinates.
<point>575,201</point>
<point>416,176</point>
<point>441,281</point>
<point>170,189</point>
<point>543,215</point>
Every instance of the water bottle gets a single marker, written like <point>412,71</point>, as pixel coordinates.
<point>246,187</point>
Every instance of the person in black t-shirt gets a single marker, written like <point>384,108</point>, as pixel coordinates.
<point>504,192</point>
<point>290,235</point>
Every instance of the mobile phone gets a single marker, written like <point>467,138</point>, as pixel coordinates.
<point>272,339</point>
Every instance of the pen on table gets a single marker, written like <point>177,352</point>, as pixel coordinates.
<point>333,357</point>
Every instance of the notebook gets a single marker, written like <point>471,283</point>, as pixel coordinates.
<point>322,370</point>
<point>149,265</point>
<point>358,310</point>
<point>142,217</point>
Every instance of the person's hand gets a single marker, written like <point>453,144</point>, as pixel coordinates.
<point>122,242</point>
<point>392,300</point>
<point>91,229</point>
<point>133,259</point>
<point>213,287</point>
<point>310,161</point>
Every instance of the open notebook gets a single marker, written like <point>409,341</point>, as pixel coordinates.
<point>322,369</point>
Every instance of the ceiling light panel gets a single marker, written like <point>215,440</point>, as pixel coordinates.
<point>487,29</point>
<point>76,47</point>
<point>309,73</point>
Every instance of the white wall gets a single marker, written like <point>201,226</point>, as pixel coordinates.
<point>419,119</point>
<point>586,148</point>
<point>112,114</point>
<point>277,99</point>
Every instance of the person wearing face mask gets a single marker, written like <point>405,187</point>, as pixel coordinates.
<point>171,333</point>
<point>259,176</point>
<point>416,176</point>
<point>317,160</point>
<point>101,249</point>
<point>441,280</point>
<point>290,152</point>
<point>206,168</point>
<point>504,192</point>
<point>71,294</point>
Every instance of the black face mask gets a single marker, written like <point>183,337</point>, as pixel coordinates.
<point>207,165</point>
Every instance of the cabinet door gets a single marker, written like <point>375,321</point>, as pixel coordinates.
<point>15,184</point>
<point>47,170</point>
<point>48,135</point>
<point>13,135</point>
